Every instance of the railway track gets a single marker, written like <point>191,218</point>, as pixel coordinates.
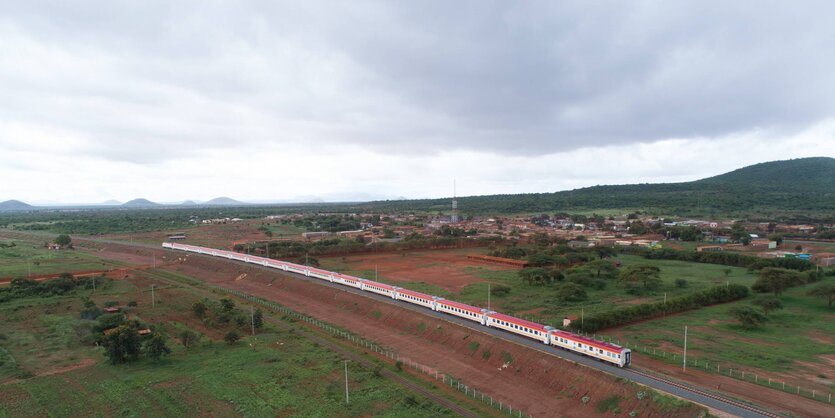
<point>686,391</point>
<point>349,354</point>
<point>688,388</point>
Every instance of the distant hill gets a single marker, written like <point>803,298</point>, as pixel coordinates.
<point>140,203</point>
<point>188,203</point>
<point>802,186</point>
<point>223,201</point>
<point>11,205</point>
<point>111,202</point>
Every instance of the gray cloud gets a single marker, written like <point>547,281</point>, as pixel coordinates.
<point>150,81</point>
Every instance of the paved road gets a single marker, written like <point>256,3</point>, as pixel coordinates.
<point>684,390</point>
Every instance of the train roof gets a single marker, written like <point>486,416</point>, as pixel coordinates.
<point>383,285</point>
<point>592,342</point>
<point>460,305</point>
<point>518,321</point>
<point>415,294</point>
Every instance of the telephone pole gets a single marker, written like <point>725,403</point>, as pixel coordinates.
<point>684,366</point>
<point>488,296</point>
<point>153,300</point>
<point>346,382</point>
<point>252,317</point>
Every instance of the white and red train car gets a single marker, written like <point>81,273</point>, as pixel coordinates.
<point>600,350</point>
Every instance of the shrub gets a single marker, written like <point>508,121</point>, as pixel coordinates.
<point>231,337</point>
<point>571,292</point>
<point>681,283</point>
<point>499,290</point>
<point>748,316</point>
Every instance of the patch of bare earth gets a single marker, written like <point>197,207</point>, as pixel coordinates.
<point>442,268</point>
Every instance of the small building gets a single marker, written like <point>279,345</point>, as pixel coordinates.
<point>312,235</point>
<point>177,236</point>
<point>704,248</point>
<point>53,246</point>
<point>568,320</point>
<point>580,244</point>
<point>113,309</point>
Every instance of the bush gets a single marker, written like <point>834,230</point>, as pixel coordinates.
<point>499,290</point>
<point>571,292</point>
<point>748,316</point>
<point>231,337</point>
<point>681,283</point>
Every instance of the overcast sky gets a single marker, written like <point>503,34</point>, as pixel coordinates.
<point>357,100</point>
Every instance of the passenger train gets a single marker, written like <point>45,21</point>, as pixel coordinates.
<point>545,334</point>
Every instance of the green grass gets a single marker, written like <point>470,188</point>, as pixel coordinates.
<point>275,373</point>
<point>802,332</point>
<point>540,303</point>
<point>281,230</point>
<point>20,260</point>
<point>279,376</point>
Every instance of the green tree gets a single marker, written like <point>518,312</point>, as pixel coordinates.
<point>155,347</point>
<point>534,275</point>
<point>571,292</point>
<point>63,240</point>
<point>227,305</point>
<point>231,337</point>
<point>122,344</point>
<point>540,260</point>
<point>775,279</point>
<point>681,283</point>
<point>748,316</point>
<point>199,309</point>
<point>825,290</point>
<point>258,319</point>
<point>604,269</point>
<point>768,304</point>
<point>189,338</point>
<point>646,275</point>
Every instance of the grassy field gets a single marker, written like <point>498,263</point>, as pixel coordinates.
<point>25,257</point>
<point>54,369</point>
<point>541,302</point>
<point>800,335</point>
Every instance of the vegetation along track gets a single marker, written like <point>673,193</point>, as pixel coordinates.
<point>356,358</point>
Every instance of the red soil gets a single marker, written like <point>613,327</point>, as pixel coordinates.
<point>445,269</point>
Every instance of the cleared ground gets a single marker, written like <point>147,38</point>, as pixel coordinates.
<point>27,258</point>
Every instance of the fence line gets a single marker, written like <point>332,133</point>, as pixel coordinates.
<point>733,371</point>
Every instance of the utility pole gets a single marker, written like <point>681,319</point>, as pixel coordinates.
<point>346,382</point>
<point>488,296</point>
<point>684,367</point>
<point>153,300</point>
<point>582,319</point>
<point>252,316</point>
<point>375,272</point>
<point>94,283</point>
<point>29,265</point>
<point>305,259</point>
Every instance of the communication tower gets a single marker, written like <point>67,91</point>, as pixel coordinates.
<point>454,204</point>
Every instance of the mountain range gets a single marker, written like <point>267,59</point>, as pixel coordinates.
<point>804,185</point>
